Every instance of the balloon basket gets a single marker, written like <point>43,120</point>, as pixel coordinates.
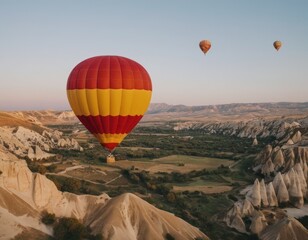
<point>110,158</point>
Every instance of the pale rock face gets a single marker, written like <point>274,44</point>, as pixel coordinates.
<point>263,194</point>
<point>286,228</point>
<point>123,218</point>
<point>268,167</point>
<point>292,175</point>
<point>258,223</point>
<point>285,157</point>
<point>271,195</point>
<point>297,137</point>
<point>264,154</point>
<point>255,197</point>
<point>286,180</point>
<point>15,173</point>
<point>302,155</point>
<point>301,178</point>
<point>39,154</point>
<point>277,181</point>
<point>70,144</point>
<point>10,141</point>
<point>282,193</point>
<point>31,154</point>
<point>234,219</point>
<point>255,142</point>
<point>289,158</point>
<point>56,135</point>
<point>44,192</point>
<point>305,170</point>
<point>247,208</point>
<point>290,142</point>
<point>278,159</point>
<point>238,223</point>
<point>25,142</point>
<point>40,192</point>
<point>296,195</point>
<point>68,116</point>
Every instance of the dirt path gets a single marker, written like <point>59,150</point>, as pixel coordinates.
<point>113,179</point>
<point>68,169</point>
<point>234,164</point>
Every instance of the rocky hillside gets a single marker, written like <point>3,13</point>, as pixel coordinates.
<point>258,212</point>
<point>284,169</point>
<point>283,156</point>
<point>241,120</point>
<point>271,109</point>
<point>41,117</point>
<point>24,195</point>
<point>25,142</point>
<point>257,128</point>
<point>26,138</point>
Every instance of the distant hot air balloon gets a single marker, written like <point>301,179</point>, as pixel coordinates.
<point>205,45</point>
<point>277,45</point>
<point>109,95</point>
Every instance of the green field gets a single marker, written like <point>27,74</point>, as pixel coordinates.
<point>206,162</point>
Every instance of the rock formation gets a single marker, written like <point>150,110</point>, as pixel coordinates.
<point>271,195</point>
<point>284,156</point>
<point>290,187</point>
<point>268,168</point>
<point>234,216</point>
<point>263,194</point>
<point>23,195</point>
<point>255,196</point>
<point>286,228</point>
<point>278,158</point>
<point>26,142</point>
<point>255,142</point>
<point>258,222</point>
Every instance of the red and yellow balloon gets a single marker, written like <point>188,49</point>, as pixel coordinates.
<point>109,95</point>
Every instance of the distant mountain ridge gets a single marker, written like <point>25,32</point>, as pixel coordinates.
<point>231,108</point>
<point>163,111</point>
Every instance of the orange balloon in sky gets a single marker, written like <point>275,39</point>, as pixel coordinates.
<point>205,46</point>
<point>277,45</point>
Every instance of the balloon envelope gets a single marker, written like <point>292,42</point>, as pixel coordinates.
<point>109,95</point>
<point>205,46</point>
<point>277,45</point>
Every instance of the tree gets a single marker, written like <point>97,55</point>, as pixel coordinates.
<point>52,168</point>
<point>171,197</point>
<point>48,218</point>
<point>68,229</point>
<point>169,237</point>
<point>71,185</point>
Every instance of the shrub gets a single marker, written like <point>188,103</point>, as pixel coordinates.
<point>171,197</point>
<point>48,218</point>
<point>51,168</point>
<point>169,237</point>
<point>71,185</point>
<point>69,229</point>
<point>36,167</point>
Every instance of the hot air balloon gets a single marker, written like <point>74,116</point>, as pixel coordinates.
<point>205,45</point>
<point>109,95</point>
<point>277,45</point>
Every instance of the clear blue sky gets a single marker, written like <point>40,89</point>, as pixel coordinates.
<point>41,41</point>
